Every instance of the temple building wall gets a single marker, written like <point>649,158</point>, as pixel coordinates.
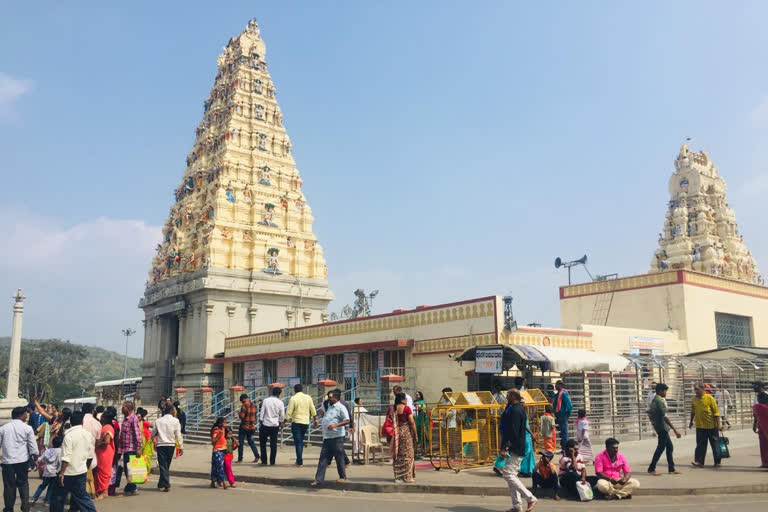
<point>688,303</point>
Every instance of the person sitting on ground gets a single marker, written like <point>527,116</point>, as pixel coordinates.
<point>572,468</point>
<point>545,474</point>
<point>613,472</point>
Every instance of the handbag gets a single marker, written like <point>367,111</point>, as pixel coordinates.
<point>388,428</point>
<point>137,470</point>
<point>722,443</point>
<point>585,491</point>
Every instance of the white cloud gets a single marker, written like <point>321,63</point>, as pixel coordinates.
<point>83,281</point>
<point>11,89</point>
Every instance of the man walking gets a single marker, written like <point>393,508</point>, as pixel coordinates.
<point>75,450</point>
<point>512,450</point>
<point>706,415</point>
<point>167,433</point>
<point>93,426</point>
<point>301,409</point>
<point>563,408</point>
<point>130,443</point>
<point>17,440</point>
<point>248,414</point>
<point>271,419</point>
<point>657,412</point>
<point>335,419</point>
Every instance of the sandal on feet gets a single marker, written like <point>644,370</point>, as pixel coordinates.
<point>654,473</point>
<point>675,472</point>
<point>314,484</point>
<point>531,505</point>
<point>697,464</point>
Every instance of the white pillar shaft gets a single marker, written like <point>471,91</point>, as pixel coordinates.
<point>14,360</point>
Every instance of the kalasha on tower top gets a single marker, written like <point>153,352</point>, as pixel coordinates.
<point>700,230</point>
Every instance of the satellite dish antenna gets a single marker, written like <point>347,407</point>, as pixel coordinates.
<point>558,262</point>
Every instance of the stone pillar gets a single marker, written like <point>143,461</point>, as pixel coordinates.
<point>14,359</point>
<point>14,362</point>
<point>181,396</point>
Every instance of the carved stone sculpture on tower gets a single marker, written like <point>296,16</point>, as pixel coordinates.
<point>700,230</point>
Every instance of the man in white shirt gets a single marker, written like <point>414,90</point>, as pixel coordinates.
<point>167,433</point>
<point>408,400</point>
<point>17,440</point>
<point>75,451</point>
<point>271,420</point>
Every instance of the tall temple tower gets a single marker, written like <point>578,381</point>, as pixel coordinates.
<point>238,254</point>
<point>700,230</point>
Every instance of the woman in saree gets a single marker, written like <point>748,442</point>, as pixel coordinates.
<point>105,455</point>
<point>422,421</point>
<point>147,446</point>
<point>403,440</point>
<point>760,410</point>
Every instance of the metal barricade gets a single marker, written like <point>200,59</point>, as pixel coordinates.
<point>465,430</point>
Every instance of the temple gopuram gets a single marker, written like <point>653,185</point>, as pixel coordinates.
<point>238,254</point>
<point>700,230</point>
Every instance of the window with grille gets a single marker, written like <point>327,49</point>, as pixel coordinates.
<point>394,358</point>
<point>238,373</point>
<point>334,364</point>
<point>270,371</point>
<point>304,369</point>
<point>733,330</point>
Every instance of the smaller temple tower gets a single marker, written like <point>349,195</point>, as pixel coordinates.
<point>700,230</point>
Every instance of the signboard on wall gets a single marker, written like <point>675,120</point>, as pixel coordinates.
<point>351,364</point>
<point>253,373</point>
<point>645,345</point>
<point>489,359</point>
<point>286,367</point>
<point>318,367</point>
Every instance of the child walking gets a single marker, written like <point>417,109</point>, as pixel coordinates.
<point>51,461</point>
<point>232,445</point>
<point>582,436</point>
<point>219,442</point>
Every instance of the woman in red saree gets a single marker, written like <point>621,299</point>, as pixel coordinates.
<point>761,418</point>
<point>105,454</point>
<point>403,440</point>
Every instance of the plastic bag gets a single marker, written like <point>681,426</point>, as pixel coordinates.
<point>722,442</point>
<point>585,491</point>
<point>500,462</point>
<point>137,470</point>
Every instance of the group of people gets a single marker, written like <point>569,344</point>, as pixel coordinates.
<point>82,454</point>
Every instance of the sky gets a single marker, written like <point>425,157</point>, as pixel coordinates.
<point>449,150</point>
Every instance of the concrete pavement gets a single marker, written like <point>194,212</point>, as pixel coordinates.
<point>188,494</point>
<point>739,474</point>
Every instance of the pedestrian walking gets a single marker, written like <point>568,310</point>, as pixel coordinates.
<point>130,444</point>
<point>219,447</point>
<point>248,417</point>
<point>706,415</point>
<point>167,434</point>
<point>301,409</point>
<point>51,462</point>
<point>229,455</point>
<point>105,454</point>
<point>657,413</point>
<point>724,402</point>
<point>563,409</point>
<point>760,410</point>
<point>403,440</point>
<point>512,450</point>
<point>18,443</point>
<point>582,436</point>
<point>334,421</point>
<point>75,450</point>
<point>271,420</point>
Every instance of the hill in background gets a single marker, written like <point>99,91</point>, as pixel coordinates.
<point>58,369</point>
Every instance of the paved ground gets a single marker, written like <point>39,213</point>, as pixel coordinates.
<point>740,473</point>
<point>188,494</point>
